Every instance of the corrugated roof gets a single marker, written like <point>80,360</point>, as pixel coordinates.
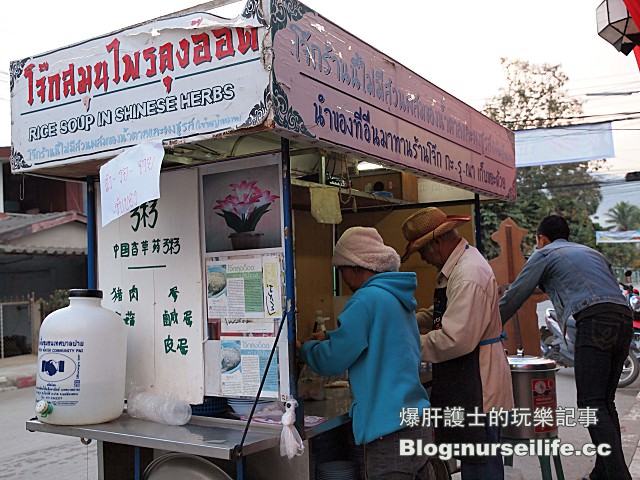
<point>40,250</point>
<point>17,225</point>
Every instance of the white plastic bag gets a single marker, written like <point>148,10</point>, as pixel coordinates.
<point>290,440</point>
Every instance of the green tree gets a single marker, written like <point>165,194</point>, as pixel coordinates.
<point>535,97</point>
<point>625,216</point>
<point>58,299</point>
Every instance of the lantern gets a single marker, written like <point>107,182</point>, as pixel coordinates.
<point>616,26</point>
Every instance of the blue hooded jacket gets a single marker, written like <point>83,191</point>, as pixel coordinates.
<point>377,340</point>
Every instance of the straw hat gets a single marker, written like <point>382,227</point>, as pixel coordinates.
<point>427,224</point>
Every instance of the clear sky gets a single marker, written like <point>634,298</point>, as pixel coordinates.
<point>455,45</point>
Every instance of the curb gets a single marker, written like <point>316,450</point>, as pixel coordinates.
<point>22,382</point>
<point>12,381</point>
<point>634,416</point>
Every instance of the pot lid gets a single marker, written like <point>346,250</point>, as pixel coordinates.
<point>530,363</point>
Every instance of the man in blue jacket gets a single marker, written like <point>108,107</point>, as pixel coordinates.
<point>377,340</point>
<point>580,282</point>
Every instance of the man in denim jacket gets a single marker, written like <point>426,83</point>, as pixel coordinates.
<point>580,282</point>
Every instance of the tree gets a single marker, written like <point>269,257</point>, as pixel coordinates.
<point>625,216</point>
<point>535,97</point>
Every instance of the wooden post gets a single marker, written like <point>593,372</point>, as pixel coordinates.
<point>522,329</point>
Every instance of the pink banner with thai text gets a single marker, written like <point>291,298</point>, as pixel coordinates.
<point>345,92</point>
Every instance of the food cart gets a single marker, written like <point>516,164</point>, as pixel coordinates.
<point>261,121</point>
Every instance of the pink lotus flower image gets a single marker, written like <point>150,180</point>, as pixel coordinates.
<point>243,209</point>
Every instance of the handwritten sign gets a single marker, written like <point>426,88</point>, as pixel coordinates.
<point>130,179</point>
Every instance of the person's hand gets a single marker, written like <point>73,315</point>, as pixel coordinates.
<point>316,336</point>
<point>424,316</point>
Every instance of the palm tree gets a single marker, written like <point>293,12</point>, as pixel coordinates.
<point>625,216</point>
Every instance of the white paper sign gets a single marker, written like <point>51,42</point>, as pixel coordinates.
<point>130,179</point>
<point>243,361</point>
<point>150,267</point>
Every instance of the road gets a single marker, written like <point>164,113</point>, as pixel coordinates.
<point>33,455</point>
<point>576,467</point>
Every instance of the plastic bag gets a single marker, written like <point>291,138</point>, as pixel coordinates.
<point>290,440</point>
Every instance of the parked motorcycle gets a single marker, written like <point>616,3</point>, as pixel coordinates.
<point>632,296</point>
<point>560,347</point>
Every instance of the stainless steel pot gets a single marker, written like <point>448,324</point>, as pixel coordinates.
<point>183,466</point>
<point>534,388</point>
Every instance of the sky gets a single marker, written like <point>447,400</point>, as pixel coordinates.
<point>455,45</point>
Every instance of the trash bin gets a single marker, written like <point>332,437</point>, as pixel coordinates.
<point>534,388</point>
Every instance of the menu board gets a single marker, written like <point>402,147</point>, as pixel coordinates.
<point>149,263</point>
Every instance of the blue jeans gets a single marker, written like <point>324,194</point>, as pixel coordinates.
<point>382,456</point>
<point>484,468</point>
<point>602,344</point>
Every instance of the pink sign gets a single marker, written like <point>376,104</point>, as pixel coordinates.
<point>331,86</point>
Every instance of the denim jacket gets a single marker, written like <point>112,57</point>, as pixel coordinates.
<point>574,276</point>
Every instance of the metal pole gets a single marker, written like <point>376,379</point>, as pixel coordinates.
<point>478,222</point>
<point>91,233</point>
<point>289,270</point>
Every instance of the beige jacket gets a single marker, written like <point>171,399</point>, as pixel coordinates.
<point>472,315</point>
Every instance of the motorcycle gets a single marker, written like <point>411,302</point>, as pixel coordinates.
<point>632,296</point>
<point>560,347</point>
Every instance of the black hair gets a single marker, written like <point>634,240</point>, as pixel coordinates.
<point>553,227</point>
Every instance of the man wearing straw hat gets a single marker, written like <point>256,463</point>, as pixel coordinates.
<point>469,366</point>
<point>377,341</point>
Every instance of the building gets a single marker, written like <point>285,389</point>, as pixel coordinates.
<point>43,247</point>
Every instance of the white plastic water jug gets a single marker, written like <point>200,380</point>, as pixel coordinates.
<point>82,355</point>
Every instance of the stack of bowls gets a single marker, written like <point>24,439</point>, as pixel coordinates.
<point>337,470</point>
<point>242,406</point>
<point>211,407</point>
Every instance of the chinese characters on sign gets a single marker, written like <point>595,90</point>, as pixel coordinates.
<point>543,417</point>
<point>150,263</point>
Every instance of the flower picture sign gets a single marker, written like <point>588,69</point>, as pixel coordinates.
<point>242,209</point>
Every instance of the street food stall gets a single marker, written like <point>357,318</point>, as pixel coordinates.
<point>221,163</point>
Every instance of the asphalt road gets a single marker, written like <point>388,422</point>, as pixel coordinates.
<point>577,466</point>
<point>34,455</point>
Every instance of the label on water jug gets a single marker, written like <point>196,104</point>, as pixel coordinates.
<point>59,372</point>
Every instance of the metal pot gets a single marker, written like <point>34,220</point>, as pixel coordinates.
<point>534,388</point>
<point>183,466</point>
